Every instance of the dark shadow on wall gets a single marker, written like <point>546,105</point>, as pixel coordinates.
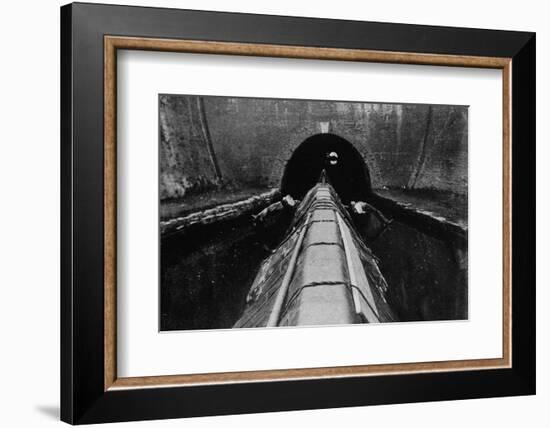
<point>349,175</point>
<point>50,411</point>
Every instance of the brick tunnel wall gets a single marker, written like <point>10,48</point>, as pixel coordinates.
<point>246,142</point>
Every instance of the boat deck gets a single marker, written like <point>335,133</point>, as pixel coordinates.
<point>322,273</point>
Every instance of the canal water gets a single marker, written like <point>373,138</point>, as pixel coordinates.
<point>205,277</point>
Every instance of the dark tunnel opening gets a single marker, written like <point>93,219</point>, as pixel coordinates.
<point>346,169</point>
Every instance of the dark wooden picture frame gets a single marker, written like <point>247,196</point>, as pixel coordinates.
<point>90,390</point>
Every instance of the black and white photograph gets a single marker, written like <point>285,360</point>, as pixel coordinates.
<point>290,212</point>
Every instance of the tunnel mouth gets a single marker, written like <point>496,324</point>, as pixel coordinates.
<point>345,167</point>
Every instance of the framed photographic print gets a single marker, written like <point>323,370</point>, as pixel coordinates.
<point>265,213</point>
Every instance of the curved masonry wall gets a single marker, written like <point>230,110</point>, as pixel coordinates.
<point>246,142</point>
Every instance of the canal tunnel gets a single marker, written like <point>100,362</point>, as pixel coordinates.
<point>224,160</point>
<point>344,165</point>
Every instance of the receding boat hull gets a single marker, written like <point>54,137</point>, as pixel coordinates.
<point>322,273</point>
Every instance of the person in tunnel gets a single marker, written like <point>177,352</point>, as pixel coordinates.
<point>275,217</point>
